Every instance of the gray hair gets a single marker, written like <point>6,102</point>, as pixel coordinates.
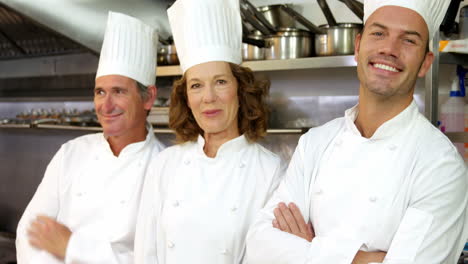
<point>143,89</point>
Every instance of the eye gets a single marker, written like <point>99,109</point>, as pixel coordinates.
<point>221,82</point>
<point>411,41</point>
<point>195,86</point>
<point>98,92</point>
<point>377,33</point>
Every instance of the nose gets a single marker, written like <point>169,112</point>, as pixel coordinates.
<point>107,104</point>
<point>391,47</point>
<point>209,94</point>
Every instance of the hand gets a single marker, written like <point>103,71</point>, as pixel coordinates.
<point>289,219</point>
<point>363,257</point>
<point>47,234</point>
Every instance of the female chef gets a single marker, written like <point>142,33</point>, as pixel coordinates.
<point>201,195</point>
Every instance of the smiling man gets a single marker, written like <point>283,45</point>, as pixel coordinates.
<point>84,210</point>
<point>380,184</point>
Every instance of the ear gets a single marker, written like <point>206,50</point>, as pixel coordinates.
<point>152,94</point>
<point>426,65</point>
<point>357,45</point>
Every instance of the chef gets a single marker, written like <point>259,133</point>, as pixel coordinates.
<point>84,210</point>
<point>380,184</point>
<point>201,195</point>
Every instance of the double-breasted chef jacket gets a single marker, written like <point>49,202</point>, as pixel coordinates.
<point>197,209</point>
<point>96,195</point>
<point>402,191</point>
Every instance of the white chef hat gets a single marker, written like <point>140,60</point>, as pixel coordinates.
<point>129,49</point>
<point>206,30</point>
<point>432,11</point>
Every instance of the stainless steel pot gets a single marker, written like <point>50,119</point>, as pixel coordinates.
<point>338,40</point>
<point>252,52</point>
<point>277,17</point>
<point>167,55</point>
<point>289,43</point>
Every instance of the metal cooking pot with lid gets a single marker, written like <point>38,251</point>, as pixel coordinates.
<point>288,43</point>
<point>338,40</point>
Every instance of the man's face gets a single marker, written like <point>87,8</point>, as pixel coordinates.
<point>119,105</point>
<point>391,52</point>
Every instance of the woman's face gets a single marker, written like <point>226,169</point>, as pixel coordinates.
<point>212,97</point>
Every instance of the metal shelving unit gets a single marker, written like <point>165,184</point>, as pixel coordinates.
<point>156,130</point>
<point>432,86</point>
<point>278,65</point>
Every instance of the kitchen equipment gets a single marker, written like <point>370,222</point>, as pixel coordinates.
<point>277,16</point>
<point>289,43</point>
<point>338,40</point>
<point>356,7</point>
<point>448,25</point>
<point>158,116</point>
<point>301,19</point>
<point>326,11</point>
<point>335,39</point>
<point>167,55</point>
<point>246,5</point>
<point>463,22</point>
<point>251,51</point>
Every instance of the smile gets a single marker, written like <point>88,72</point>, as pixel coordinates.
<point>111,116</point>
<point>385,67</point>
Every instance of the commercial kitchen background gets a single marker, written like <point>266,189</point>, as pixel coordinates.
<point>299,98</point>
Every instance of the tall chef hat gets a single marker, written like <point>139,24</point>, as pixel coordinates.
<point>206,30</point>
<point>129,49</point>
<point>432,11</point>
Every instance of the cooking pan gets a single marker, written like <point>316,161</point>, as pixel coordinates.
<point>277,17</point>
<point>339,39</point>
<point>356,7</point>
<point>289,43</point>
<point>336,38</point>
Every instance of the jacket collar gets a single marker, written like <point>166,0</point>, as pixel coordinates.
<point>228,148</point>
<point>133,147</point>
<point>387,129</point>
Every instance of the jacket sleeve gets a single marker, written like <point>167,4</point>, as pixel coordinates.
<point>434,227</point>
<point>266,244</point>
<point>44,202</point>
<point>145,235</point>
<point>85,248</point>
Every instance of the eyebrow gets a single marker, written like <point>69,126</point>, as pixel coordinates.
<point>214,77</point>
<point>407,32</point>
<point>112,88</point>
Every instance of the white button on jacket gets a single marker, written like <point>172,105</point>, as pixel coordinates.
<point>93,193</point>
<point>408,200</point>
<point>218,199</point>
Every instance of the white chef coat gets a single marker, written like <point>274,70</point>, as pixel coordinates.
<point>95,194</point>
<point>402,191</point>
<point>196,209</point>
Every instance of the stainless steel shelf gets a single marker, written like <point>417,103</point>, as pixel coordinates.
<point>15,126</point>
<point>458,137</point>
<point>454,58</point>
<point>278,65</point>
<point>156,129</point>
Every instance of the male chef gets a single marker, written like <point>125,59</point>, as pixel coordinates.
<point>380,184</point>
<point>84,210</point>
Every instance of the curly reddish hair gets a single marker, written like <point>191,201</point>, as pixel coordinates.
<point>252,117</point>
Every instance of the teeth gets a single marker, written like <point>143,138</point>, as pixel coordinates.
<point>385,67</point>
